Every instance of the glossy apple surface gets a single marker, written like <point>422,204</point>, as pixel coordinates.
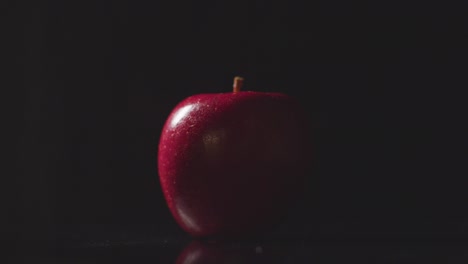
<point>230,164</point>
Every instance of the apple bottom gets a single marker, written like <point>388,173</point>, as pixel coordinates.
<point>236,203</point>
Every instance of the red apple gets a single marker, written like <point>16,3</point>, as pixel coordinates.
<point>231,164</point>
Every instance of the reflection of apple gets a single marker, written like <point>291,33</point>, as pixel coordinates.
<point>209,253</point>
<point>230,164</point>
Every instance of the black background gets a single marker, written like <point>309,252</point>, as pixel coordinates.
<point>92,84</point>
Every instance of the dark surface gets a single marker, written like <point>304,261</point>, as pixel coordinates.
<point>91,85</point>
<point>357,248</point>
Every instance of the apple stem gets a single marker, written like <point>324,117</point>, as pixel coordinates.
<point>238,81</point>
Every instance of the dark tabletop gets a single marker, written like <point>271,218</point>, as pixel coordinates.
<point>113,246</point>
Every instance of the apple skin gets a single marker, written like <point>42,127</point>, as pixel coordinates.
<point>232,164</point>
